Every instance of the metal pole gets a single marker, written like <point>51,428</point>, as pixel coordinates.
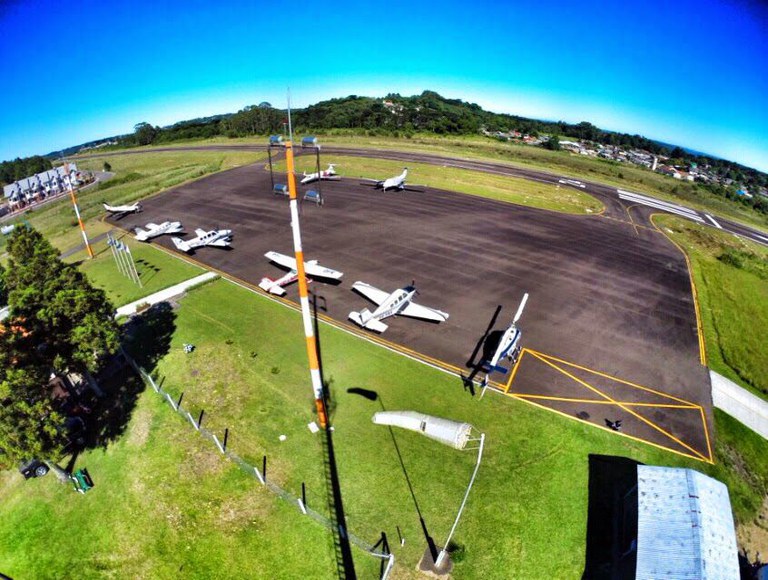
<point>309,333</point>
<point>77,212</point>
<point>133,265</point>
<point>111,244</point>
<point>444,551</point>
<point>290,127</point>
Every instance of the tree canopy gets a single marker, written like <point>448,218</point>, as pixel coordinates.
<point>58,322</point>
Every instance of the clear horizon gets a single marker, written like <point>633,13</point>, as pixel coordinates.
<point>693,77</point>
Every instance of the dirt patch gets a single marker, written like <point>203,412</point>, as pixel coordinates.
<point>139,432</point>
<point>753,537</point>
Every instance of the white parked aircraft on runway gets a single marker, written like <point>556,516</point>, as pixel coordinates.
<point>218,238</point>
<point>398,302</point>
<point>123,209</point>
<point>154,230</point>
<point>397,182</point>
<point>311,268</point>
<point>329,173</point>
<point>509,345</point>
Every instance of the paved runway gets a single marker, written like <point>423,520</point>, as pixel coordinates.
<point>608,297</point>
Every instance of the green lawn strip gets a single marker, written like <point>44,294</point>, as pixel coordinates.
<point>503,188</point>
<point>731,277</point>
<point>536,463</point>
<point>165,505</point>
<point>157,270</point>
<point>136,177</point>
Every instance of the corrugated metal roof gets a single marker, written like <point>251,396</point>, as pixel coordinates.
<point>685,526</point>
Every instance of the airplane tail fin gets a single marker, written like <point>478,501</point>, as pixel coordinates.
<point>364,319</point>
<point>180,244</point>
<point>141,234</point>
<point>269,285</point>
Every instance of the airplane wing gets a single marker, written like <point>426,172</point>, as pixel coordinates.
<point>314,269</point>
<point>282,259</point>
<point>220,243</point>
<point>418,311</point>
<point>367,180</point>
<point>199,232</point>
<point>151,226</point>
<point>370,292</point>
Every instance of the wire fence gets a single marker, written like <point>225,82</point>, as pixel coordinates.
<point>388,559</point>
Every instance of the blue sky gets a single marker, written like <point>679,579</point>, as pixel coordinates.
<point>689,73</point>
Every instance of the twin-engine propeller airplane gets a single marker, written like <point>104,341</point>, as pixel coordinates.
<point>311,268</point>
<point>397,182</point>
<point>217,238</point>
<point>122,209</point>
<point>154,230</point>
<point>329,173</point>
<point>398,302</point>
<point>509,345</point>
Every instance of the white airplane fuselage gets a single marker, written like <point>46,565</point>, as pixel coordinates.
<point>159,230</point>
<point>395,182</point>
<point>398,300</point>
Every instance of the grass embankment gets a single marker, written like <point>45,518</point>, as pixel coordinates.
<point>731,277</point>
<point>136,177</point>
<point>620,175</point>
<point>157,270</point>
<point>160,507</point>
<point>509,189</point>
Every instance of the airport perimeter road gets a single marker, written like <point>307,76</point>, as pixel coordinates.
<point>603,300</point>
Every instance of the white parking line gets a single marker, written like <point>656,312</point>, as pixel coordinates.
<point>710,218</point>
<point>651,202</point>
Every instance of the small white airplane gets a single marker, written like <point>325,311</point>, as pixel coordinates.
<point>329,173</point>
<point>123,209</point>
<point>154,230</point>
<point>397,182</point>
<point>311,268</point>
<point>509,345</point>
<point>398,302</point>
<point>217,238</point>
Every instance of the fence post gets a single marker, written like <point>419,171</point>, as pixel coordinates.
<point>200,418</point>
<point>216,441</point>
<point>303,499</point>
<point>172,402</point>
<point>178,403</point>
<point>264,469</point>
<point>192,420</point>
<point>226,438</point>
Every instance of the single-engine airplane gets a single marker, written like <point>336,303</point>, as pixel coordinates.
<point>397,182</point>
<point>217,238</point>
<point>123,209</point>
<point>311,268</point>
<point>398,302</point>
<point>154,230</point>
<point>329,173</point>
<point>509,345</point>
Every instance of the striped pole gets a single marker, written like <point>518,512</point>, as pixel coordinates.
<point>309,332</point>
<point>77,210</point>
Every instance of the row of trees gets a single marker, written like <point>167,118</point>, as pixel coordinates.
<point>58,322</point>
<point>11,171</point>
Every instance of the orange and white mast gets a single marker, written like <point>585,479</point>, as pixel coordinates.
<point>309,331</point>
<point>77,210</point>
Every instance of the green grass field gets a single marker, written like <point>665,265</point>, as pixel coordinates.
<point>731,277</point>
<point>165,502</point>
<point>509,189</point>
<point>157,270</point>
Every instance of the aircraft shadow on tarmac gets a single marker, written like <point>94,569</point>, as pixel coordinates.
<point>486,346</point>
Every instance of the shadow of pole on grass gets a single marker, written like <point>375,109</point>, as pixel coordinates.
<point>344,564</point>
<point>374,396</point>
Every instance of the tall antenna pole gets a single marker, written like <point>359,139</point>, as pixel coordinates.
<point>77,210</point>
<point>309,331</point>
<point>290,128</point>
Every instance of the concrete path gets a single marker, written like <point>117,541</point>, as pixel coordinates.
<point>740,404</point>
<point>166,294</point>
